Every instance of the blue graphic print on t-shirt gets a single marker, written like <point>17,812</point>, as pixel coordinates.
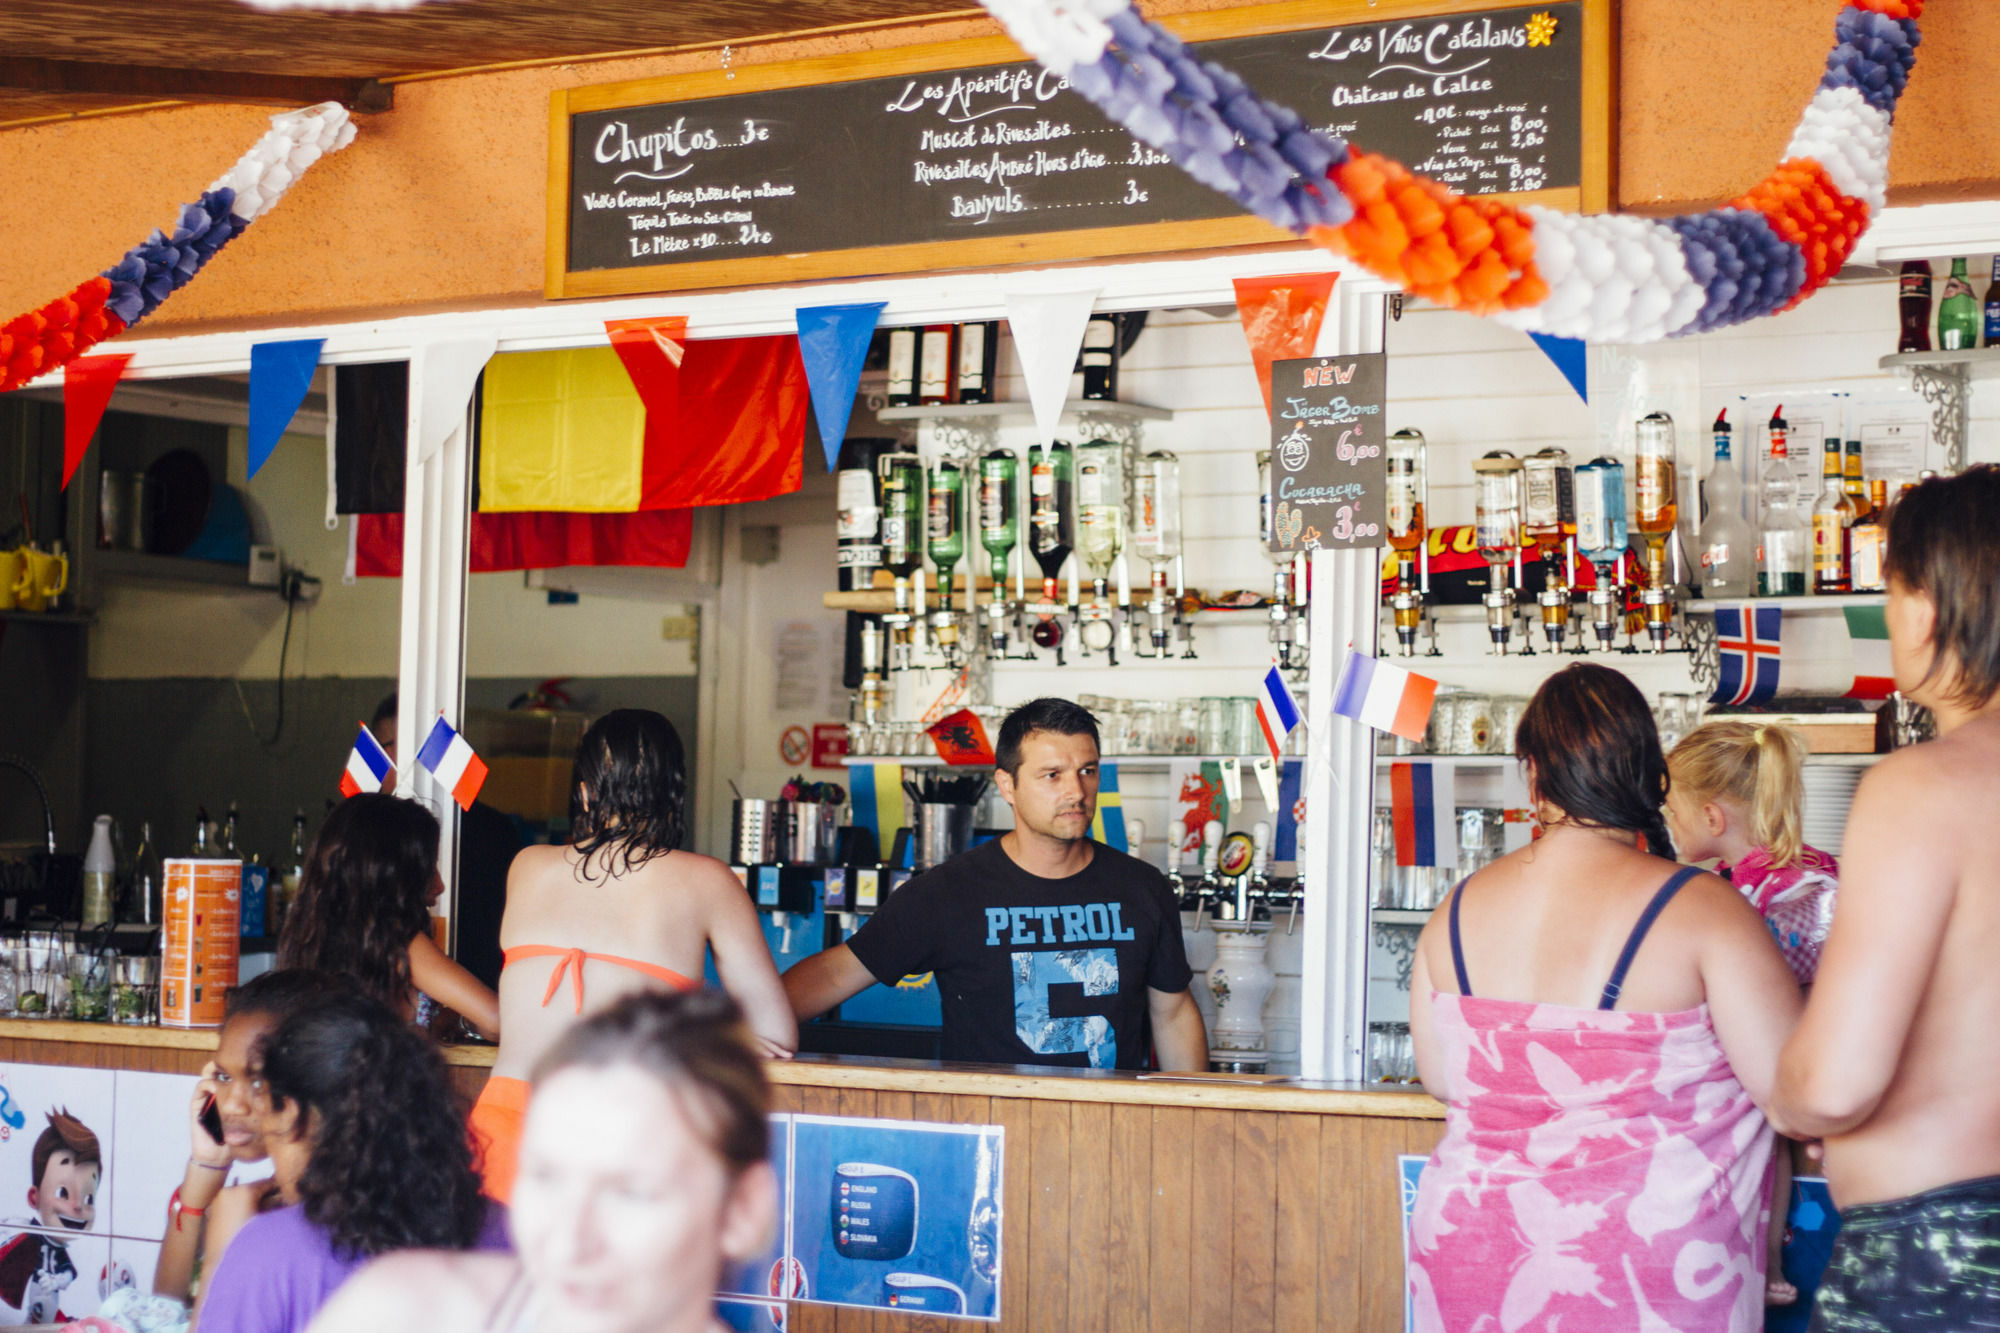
<point>1036,973</point>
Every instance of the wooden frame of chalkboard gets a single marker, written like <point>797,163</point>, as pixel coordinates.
<point>670,231</point>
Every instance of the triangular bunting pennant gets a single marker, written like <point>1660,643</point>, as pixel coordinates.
<point>1281,319</point>
<point>280,374</point>
<point>1048,333</point>
<point>1571,356</point>
<point>87,385</point>
<point>447,371</point>
<point>833,341</point>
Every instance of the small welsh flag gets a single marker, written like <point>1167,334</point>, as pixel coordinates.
<point>1868,636</point>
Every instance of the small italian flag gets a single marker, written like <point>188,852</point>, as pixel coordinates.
<point>1868,636</point>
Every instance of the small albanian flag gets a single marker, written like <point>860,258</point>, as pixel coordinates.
<point>961,738</point>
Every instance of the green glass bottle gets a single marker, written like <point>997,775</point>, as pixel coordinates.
<point>1958,312</point>
<point>999,511</point>
<point>902,477</point>
<point>947,523</point>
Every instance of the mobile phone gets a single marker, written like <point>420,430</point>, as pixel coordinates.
<point>211,1120</point>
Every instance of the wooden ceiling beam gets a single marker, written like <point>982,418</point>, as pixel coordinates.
<point>154,83</point>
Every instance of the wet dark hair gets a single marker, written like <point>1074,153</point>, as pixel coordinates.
<point>1060,716</point>
<point>391,1165</point>
<point>1596,753</point>
<point>365,895</point>
<point>632,764</point>
<point>1942,543</point>
<point>699,1048</point>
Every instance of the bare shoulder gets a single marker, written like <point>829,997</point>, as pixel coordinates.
<point>1963,766</point>
<point>704,874</point>
<point>1709,902</point>
<point>434,1291</point>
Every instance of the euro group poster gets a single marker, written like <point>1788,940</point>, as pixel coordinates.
<point>889,1214</point>
<point>1811,1227</point>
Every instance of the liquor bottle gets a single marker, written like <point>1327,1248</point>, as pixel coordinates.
<point>288,883</point>
<point>978,358</point>
<point>1496,525</point>
<point>1832,518</point>
<point>147,889</point>
<point>229,847</point>
<point>1156,539</point>
<point>1100,358</point>
<point>1869,539</point>
<point>1992,307</point>
<point>1655,486</point>
<point>202,846</point>
<point>936,364</point>
<point>1602,536</point>
<point>947,523</point>
<point>100,871</point>
<point>903,367</point>
<point>1851,478</point>
<point>1728,565</point>
<point>1548,500</point>
<point>1100,509</point>
<point>901,476</point>
<point>1958,312</point>
<point>1051,527</point>
<point>1913,299</point>
<point>1782,534</point>
<point>999,513</point>
<point>1404,499</point>
<point>858,524</point>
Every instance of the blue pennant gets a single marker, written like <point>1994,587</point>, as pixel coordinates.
<point>280,374</point>
<point>833,342</point>
<point>1572,358</point>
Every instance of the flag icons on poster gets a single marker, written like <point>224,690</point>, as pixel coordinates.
<point>368,765</point>
<point>448,757</point>
<point>1748,642</point>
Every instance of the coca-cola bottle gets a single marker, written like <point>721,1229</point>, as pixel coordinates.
<point>1914,299</point>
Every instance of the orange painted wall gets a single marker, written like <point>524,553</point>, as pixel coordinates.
<point>440,204</point>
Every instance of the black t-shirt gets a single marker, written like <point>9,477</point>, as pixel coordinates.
<point>1034,971</point>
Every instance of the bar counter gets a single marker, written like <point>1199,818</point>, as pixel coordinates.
<point>1132,1202</point>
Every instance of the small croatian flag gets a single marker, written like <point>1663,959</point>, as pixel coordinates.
<point>1421,806</point>
<point>1384,696</point>
<point>367,765</point>
<point>1277,713</point>
<point>451,761</point>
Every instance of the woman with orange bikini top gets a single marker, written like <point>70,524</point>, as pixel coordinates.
<point>619,909</point>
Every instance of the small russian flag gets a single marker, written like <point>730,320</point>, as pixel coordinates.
<point>367,765</point>
<point>1421,807</point>
<point>1384,696</point>
<point>1277,712</point>
<point>449,758</point>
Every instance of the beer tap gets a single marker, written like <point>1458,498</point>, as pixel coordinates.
<point>1211,864</point>
<point>1259,878</point>
<point>1135,838</point>
<point>1406,532</point>
<point>1657,511</point>
<point>1601,536</point>
<point>1497,531</point>
<point>1176,835</point>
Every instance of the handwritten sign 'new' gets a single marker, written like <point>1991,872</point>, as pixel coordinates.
<point>1328,475</point>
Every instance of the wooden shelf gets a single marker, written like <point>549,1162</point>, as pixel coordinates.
<point>1016,409</point>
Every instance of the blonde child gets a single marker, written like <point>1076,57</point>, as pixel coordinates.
<point>1737,797</point>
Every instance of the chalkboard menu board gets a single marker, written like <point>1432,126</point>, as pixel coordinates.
<point>1329,475</point>
<point>926,167</point>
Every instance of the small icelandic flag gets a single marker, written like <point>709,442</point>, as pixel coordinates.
<point>1422,800</point>
<point>367,765</point>
<point>1384,696</point>
<point>1868,634</point>
<point>449,758</point>
<point>1749,647</point>
<point>1277,712</point>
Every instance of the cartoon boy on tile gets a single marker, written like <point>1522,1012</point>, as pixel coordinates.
<point>35,1266</point>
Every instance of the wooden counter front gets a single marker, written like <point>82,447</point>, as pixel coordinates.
<point>1133,1204</point>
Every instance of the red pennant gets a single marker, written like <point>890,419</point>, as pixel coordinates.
<point>961,738</point>
<point>652,350</point>
<point>1281,318</point>
<point>87,385</point>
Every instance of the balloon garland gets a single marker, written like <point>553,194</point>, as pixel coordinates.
<point>1602,277</point>
<point>103,307</point>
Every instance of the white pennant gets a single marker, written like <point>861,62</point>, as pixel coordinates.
<point>442,376</point>
<point>1048,333</point>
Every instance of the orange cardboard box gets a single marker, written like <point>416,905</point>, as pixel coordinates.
<point>203,912</point>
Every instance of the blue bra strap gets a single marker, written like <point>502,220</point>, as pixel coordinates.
<point>1638,935</point>
<point>1458,949</point>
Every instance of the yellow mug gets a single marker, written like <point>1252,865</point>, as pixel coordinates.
<point>45,577</point>
<point>13,577</point>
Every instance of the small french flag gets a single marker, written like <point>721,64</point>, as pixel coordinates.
<point>1277,712</point>
<point>450,759</point>
<point>1422,809</point>
<point>367,765</point>
<point>1384,696</point>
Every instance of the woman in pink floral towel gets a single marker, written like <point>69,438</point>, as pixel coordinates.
<point>1603,1026</point>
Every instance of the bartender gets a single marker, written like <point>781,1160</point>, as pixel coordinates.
<point>1049,948</point>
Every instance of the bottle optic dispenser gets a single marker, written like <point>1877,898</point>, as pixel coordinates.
<point>1657,511</point>
<point>1497,532</point>
<point>1000,533</point>
<point>1051,532</point>
<point>1548,506</point>
<point>1601,535</point>
<point>1287,579</point>
<point>945,514</point>
<point>1156,539</point>
<point>1100,535</point>
<point>902,484</point>
<point>1405,497</point>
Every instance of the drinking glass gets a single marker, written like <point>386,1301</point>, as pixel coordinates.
<point>1471,724</point>
<point>1381,1052</point>
<point>1214,735</point>
<point>1507,713</point>
<point>1382,842</point>
<point>90,988</point>
<point>1444,716</point>
<point>39,964</point>
<point>135,988</point>
<point>1186,726</point>
<point>1248,731</point>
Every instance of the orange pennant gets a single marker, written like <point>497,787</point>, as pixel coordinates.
<point>1281,318</point>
